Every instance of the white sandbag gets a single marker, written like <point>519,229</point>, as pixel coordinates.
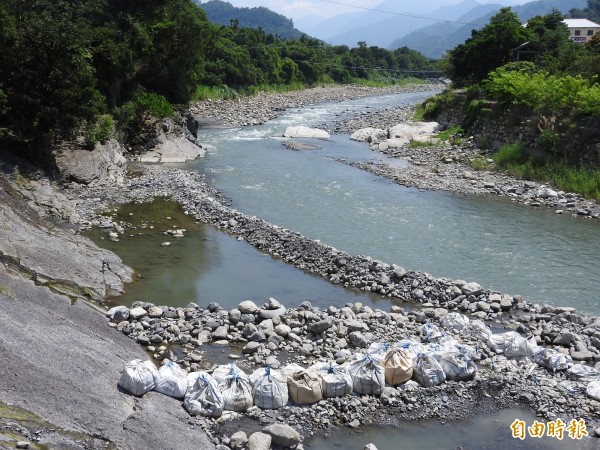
<point>458,367</point>
<point>553,359</point>
<point>236,390</point>
<point>581,372</point>
<point>336,381</point>
<point>305,387</point>
<point>368,375</point>
<point>222,372</point>
<point>172,380</point>
<point>290,369</point>
<point>593,390</point>
<point>513,345</point>
<point>455,321</point>
<point>431,332</point>
<point>427,371</point>
<point>411,347</point>
<point>398,366</point>
<point>204,397</point>
<point>518,347</point>
<point>478,330</point>
<point>378,349</point>
<point>139,377</point>
<point>451,345</point>
<point>269,388</point>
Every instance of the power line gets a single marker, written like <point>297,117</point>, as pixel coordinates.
<point>414,16</point>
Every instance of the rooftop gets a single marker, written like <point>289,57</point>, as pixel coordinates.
<point>580,23</point>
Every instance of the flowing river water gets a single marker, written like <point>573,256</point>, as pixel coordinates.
<point>545,257</point>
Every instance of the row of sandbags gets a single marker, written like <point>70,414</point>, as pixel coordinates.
<point>511,344</point>
<point>229,388</point>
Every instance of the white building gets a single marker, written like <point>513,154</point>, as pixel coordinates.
<point>581,30</point>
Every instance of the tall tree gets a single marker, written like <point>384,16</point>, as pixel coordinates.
<point>487,48</point>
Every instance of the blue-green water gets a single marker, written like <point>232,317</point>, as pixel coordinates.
<point>545,257</point>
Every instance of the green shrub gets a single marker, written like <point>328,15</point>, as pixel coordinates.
<point>101,131</point>
<point>549,138</point>
<point>452,134</point>
<point>544,92</point>
<point>510,155</point>
<point>475,109</point>
<point>154,104</point>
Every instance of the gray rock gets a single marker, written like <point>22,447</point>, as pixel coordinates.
<point>251,348</point>
<point>270,313</point>
<point>118,314</point>
<point>248,307</point>
<point>370,447</point>
<point>319,327</point>
<point>155,312</point>
<point>472,289</point>
<point>282,435</point>
<point>220,333</point>
<point>238,440</point>
<point>22,444</point>
<point>259,441</point>
<point>137,313</point>
<point>358,340</point>
<point>563,338</point>
<point>355,325</point>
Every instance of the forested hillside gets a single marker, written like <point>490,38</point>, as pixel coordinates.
<point>95,68</point>
<point>224,13</point>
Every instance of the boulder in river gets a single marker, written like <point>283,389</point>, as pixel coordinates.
<point>305,132</point>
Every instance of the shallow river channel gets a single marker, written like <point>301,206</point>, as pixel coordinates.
<point>515,249</point>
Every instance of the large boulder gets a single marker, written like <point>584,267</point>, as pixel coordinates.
<point>282,435</point>
<point>305,132</point>
<point>105,163</point>
<point>369,135</point>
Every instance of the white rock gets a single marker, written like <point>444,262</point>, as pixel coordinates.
<point>305,132</point>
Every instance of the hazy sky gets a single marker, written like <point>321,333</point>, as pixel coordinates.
<point>296,9</point>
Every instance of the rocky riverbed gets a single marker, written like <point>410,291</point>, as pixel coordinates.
<point>184,334</point>
<point>501,382</point>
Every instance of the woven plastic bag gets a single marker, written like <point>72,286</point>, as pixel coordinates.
<point>427,371</point>
<point>431,332</point>
<point>582,372</point>
<point>269,388</point>
<point>553,359</point>
<point>336,381</point>
<point>368,375</point>
<point>305,387</point>
<point>398,366</point>
<point>457,367</point>
<point>203,398</point>
<point>236,389</point>
<point>139,377</point>
<point>455,321</point>
<point>172,380</point>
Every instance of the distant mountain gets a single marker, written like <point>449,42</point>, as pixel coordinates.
<point>375,27</point>
<point>434,40</point>
<point>384,32</point>
<point>222,13</point>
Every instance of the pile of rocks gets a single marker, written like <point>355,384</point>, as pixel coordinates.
<point>275,335</point>
<point>447,167</point>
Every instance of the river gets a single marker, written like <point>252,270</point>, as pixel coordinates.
<point>505,246</point>
<point>545,257</point>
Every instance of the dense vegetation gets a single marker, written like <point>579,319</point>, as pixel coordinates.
<point>88,68</point>
<point>557,86</point>
<point>224,13</point>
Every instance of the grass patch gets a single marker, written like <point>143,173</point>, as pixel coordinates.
<point>581,180</point>
<point>419,114</point>
<point>420,144</point>
<point>479,163</point>
<point>453,135</point>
